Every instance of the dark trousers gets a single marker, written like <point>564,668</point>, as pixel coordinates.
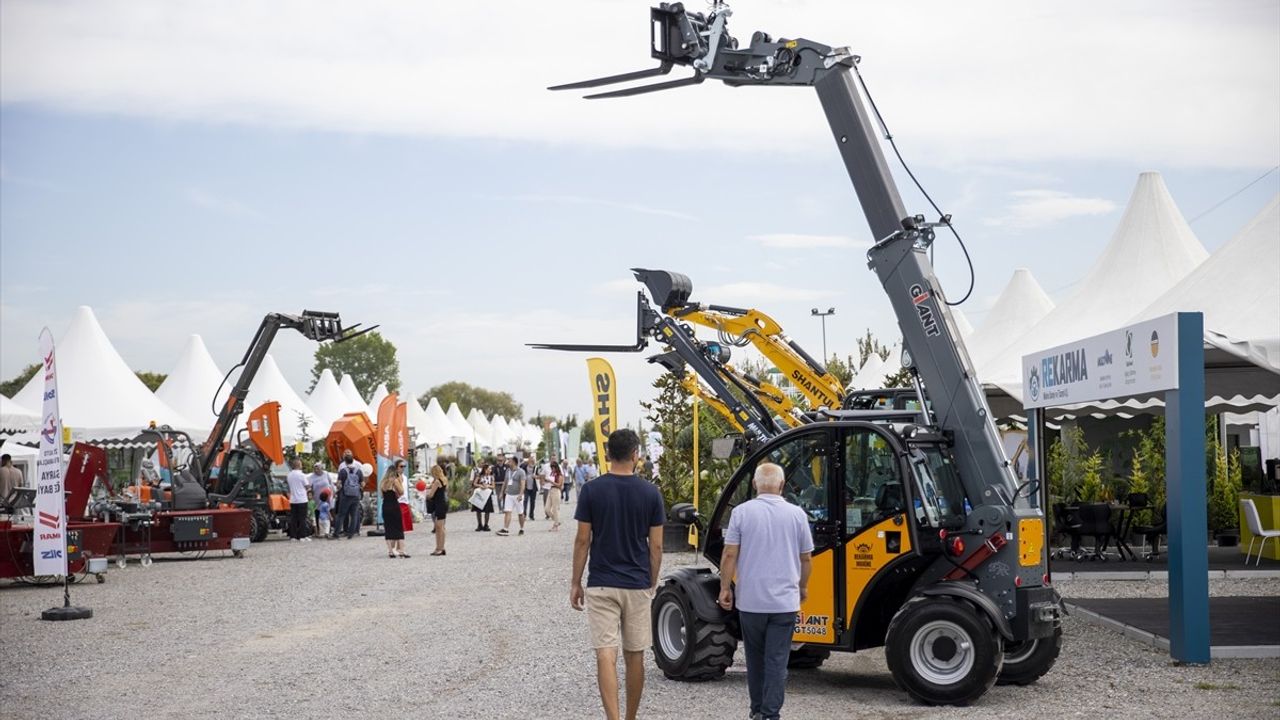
<point>335,515</point>
<point>766,637</point>
<point>530,502</point>
<point>349,521</point>
<point>298,521</point>
<point>564,491</point>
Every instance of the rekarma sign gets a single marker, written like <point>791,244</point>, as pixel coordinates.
<point>1135,360</point>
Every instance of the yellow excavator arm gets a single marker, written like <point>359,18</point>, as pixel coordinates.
<point>819,387</point>
<point>769,394</point>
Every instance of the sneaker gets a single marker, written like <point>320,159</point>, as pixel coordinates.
<point>306,539</point>
<point>479,529</point>
<point>521,531</point>
<point>503,532</point>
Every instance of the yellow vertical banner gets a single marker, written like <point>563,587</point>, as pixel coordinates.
<point>604,403</point>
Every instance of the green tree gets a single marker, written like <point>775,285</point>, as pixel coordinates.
<point>1091,486</point>
<point>490,402</point>
<point>589,431</point>
<point>868,344</point>
<point>370,359</point>
<point>152,380</point>
<point>10,387</point>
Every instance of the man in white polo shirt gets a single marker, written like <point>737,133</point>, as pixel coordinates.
<point>767,548</point>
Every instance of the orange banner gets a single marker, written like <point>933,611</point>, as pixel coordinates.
<point>386,423</point>
<point>400,431</point>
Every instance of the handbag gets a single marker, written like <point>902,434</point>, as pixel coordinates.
<point>480,497</point>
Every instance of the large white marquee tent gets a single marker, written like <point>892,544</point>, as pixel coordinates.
<point>328,402</point>
<point>355,400</point>
<point>15,417</point>
<point>191,385</point>
<point>100,398</point>
<point>270,385</point>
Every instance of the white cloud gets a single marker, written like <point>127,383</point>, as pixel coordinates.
<point>224,205</point>
<point>1038,208</point>
<point>796,241</point>
<point>756,294</point>
<point>1012,79</point>
<point>609,204</point>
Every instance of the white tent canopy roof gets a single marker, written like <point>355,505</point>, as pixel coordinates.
<point>191,384</point>
<point>100,398</point>
<point>483,431</point>
<point>1238,290</point>
<point>461,427</point>
<point>440,420</point>
<point>374,402</point>
<point>1151,250</point>
<point>355,402</point>
<point>428,430</point>
<point>1021,305</point>
<point>327,401</point>
<point>869,375</point>
<point>501,432</point>
<point>270,385</point>
<point>15,417</point>
<point>962,323</point>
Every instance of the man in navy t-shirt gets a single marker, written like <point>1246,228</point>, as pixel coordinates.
<point>620,517</point>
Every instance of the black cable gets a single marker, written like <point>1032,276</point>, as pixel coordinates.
<point>889,136</point>
<point>1224,200</point>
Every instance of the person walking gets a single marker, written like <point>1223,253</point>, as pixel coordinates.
<point>555,483</point>
<point>580,475</point>
<point>513,497</point>
<point>530,489</point>
<point>392,487</point>
<point>567,480</point>
<point>483,482</point>
<point>319,482</point>
<point>350,488</point>
<point>768,549</point>
<point>438,505</point>
<point>620,518</point>
<point>297,482</point>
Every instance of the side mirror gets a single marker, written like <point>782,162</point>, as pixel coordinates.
<point>684,513</point>
<point>724,448</point>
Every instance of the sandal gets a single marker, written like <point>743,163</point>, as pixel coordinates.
<point>438,552</point>
<point>404,555</point>
<point>391,555</point>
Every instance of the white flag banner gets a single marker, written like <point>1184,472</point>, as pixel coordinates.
<point>49,546</point>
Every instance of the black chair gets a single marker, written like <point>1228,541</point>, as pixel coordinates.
<point>1095,522</point>
<point>1151,533</point>
<point>1066,523</point>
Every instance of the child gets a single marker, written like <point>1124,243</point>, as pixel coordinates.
<point>324,508</point>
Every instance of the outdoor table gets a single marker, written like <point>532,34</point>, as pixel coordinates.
<point>1124,524</point>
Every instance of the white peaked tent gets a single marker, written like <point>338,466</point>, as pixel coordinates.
<point>270,385</point>
<point>428,430</point>
<point>355,403</point>
<point>502,435</point>
<point>15,417</point>
<point>1151,250</point>
<point>374,402</point>
<point>327,401</point>
<point>100,398</point>
<point>461,428</point>
<point>484,433</point>
<point>1238,290</point>
<point>191,384</point>
<point>440,421</point>
<point>519,436</point>
<point>1021,305</point>
<point>962,323</point>
<point>869,376</point>
<point>532,435</point>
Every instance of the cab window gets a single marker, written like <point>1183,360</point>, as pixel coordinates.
<point>805,462</point>
<point>873,484</point>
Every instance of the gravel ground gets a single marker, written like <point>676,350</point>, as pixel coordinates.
<point>335,629</point>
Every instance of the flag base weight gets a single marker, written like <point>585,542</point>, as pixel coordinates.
<point>67,613</point>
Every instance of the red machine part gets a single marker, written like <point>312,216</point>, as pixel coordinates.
<point>979,556</point>
<point>356,433</point>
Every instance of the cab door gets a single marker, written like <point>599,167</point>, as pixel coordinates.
<point>809,459</point>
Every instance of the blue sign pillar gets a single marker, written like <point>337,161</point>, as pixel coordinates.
<point>1185,467</point>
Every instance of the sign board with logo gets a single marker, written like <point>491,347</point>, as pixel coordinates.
<point>49,544</point>
<point>1135,360</point>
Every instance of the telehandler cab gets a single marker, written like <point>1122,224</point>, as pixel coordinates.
<point>924,541</point>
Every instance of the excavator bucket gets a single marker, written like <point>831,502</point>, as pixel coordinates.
<point>264,431</point>
<point>354,432</point>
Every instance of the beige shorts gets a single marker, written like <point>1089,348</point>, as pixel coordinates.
<point>617,614</point>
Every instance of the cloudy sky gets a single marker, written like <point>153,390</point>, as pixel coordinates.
<point>184,166</point>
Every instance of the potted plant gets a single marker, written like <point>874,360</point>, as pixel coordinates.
<point>1224,499</point>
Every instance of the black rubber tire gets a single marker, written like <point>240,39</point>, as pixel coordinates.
<point>985,644</point>
<point>711,648</point>
<point>1023,666</point>
<point>259,525</point>
<point>808,657</point>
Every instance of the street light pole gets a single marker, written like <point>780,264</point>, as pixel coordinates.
<point>818,313</point>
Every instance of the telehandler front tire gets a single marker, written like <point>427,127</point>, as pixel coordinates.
<point>1027,662</point>
<point>942,651</point>
<point>259,525</point>
<point>685,646</point>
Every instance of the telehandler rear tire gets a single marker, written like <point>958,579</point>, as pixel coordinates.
<point>259,525</point>
<point>685,646</point>
<point>943,651</point>
<point>1027,662</point>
